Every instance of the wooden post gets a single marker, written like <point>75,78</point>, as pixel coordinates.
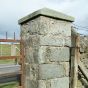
<point>75,61</point>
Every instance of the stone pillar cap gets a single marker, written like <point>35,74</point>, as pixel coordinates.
<point>46,12</point>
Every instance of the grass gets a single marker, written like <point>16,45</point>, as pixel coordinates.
<point>5,50</point>
<point>9,85</point>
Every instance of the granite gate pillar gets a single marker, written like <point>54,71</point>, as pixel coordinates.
<point>47,37</point>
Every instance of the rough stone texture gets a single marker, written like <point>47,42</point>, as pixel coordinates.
<point>84,50</point>
<point>84,44</point>
<point>80,84</point>
<point>54,27</point>
<point>42,84</point>
<point>31,55</point>
<point>47,12</point>
<point>44,25</point>
<point>60,83</point>
<point>83,57</point>
<point>66,66</point>
<point>31,71</point>
<point>47,53</point>
<point>54,83</point>
<point>55,40</point>
<point>31,83</point>
<point>49,71</point>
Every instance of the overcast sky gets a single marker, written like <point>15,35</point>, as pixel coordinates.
<point>12,10</point>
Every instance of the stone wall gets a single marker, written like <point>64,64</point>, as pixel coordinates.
<point>47,50</point>
<point>83,83</point>
<point>84,50</point>
<point>74,58</point>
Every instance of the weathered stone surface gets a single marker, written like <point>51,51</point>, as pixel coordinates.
<point>42,84</point>
<point>47,12</point>
<point>84,50</point>
<point>55,40</point>
<point>82,82</point>
<point>31,83</point>
<point>55,27</point>
<point>31,54</point>
<point>31,71</point>
<point>31,27</point>
<point>55,83</point>
<point>47,54</point>
<point>27,69</point>
<point>66,67</point>
<point>74,35</point>
<point>84,59</point>
<point>49,71</point>
<point>41,55</point>
<point>79,84</point>
<point>84,44</point>
<point>44,25</point>
<point>60,82</point>
<point>32,40</point>
<point>36,53</point>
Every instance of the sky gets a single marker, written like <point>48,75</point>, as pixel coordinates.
<point>12,10</point>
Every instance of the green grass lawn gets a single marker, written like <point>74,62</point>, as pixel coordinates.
<point>5,50</point>
<point>9,85</point>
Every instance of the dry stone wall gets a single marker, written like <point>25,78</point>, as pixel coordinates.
<point>84,50</point>
<point>83,83</point>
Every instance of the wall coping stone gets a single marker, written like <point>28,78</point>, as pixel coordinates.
<point>46,12</point>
